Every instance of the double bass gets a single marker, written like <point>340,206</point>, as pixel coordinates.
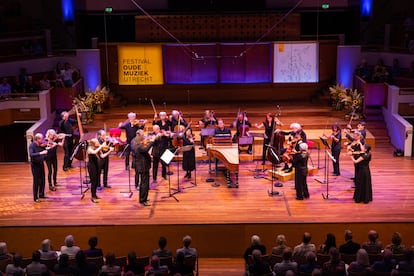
<point>275,145</point>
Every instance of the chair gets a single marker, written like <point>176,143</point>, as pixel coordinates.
<point>99,261</point>
<point>300,259</point>
<point>26,261</point>
<point>322,258</point>
<point>374,257</point>
<point>274,259</point>
<point>192,261</point>
<point>121,261</point>
<point>348,258</point>
<point>49,263</point>
<point>398,257</point>
<point>3,264</point>
<point>168,261</point>
<point>143,262</point>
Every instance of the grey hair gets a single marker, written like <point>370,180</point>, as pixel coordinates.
<point>69,241</point>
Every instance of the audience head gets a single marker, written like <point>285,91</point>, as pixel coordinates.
<point>36,256</point>
<point>348,235</point>
<point>110,259</point>
<point>187,241</point>
<point>45,246</point>
<point>334,255</point>
<point>290,273</point>
<point>330,240</point>
<point>362,257</point>
<point>316,272</point>
<point>162,242</point>
<point>387,255</point>
<point>64,259</point>
<point>396,238</point>
<point>132,257</point>
<point>69,241</point>
<point>280,239</point>
<point>372,236</point>
<point>220,123</point>
<point>93,241</point>
<point>17,260</point>
<point>310,257</point>
<point>255,240</point>
<point>257,255</point>
<point>3,248</point>
<point>287,254</point>
<point>306,236</point>
<point>155,261</point>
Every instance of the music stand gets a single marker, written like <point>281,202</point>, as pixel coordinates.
<point>81,146</point>
<point>258,175</point>
<point>327,146</point>
<point>327,153</point>
<point>167,157</point>
<point>129,174</point>
<point>184,149</point>
<point>273,184</point>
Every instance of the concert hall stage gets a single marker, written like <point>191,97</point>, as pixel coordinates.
<point>219,219</point>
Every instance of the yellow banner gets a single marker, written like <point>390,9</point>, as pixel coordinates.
<point>140,65</point>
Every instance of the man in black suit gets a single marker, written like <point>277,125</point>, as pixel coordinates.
<point>349,247</point>
<point>37,156</point>
<point>65,126</point>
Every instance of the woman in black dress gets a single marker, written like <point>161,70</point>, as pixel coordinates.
<point>300,163</point>
<point>269,127</point>
<point>142,160</point>
<point>94,152</point>
<point>363,189</point>
<point>336,137</point>
<point>188,155</point>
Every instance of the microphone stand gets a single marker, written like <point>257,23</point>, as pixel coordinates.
<point>129,175</point>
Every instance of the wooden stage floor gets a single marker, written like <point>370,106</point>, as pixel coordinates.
<point>204,210</point>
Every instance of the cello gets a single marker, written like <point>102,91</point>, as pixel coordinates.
<point>80,154</point>
<point>276,143</point>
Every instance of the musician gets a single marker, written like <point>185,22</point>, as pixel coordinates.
<point>140,147</point>
<point>131,126</point>
<point>103,162</point>
<point>177,119</point>
<point>188,156</point>
<point>37,156</point>
<point>363,190</point>
<point>269,125</point>
<point>360,128</point>
<point>295,131</point>
<point>94,153</point>
<point>65,126</point>
<point>300,163</point>
<point>221,130</point>
<point>354,149</point>
<point>208,121</point>
<point>242,125</point>
<point>52,141</point>
<point>159,147</point>
<point>336,137</point>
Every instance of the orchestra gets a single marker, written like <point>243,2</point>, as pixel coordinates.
<point>173,132</point>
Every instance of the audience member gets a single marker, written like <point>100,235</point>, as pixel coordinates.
<point>310,264</point>
<point>44,83</point>
<point>3,252</point>
<point>23,77</point>
<point>110,268</point>
<point>162,251</point>
<point>396,247</point>
<point>254,244</point>
<point>387,264</point>
<point>58,75</point>
<point>93,251</point>
<point>67,75</point>
<point>63,267</point>
<point>259,266</point>
<point>186,249</point>
<point>380,73</point>
<point>373,246</point>
<point>132,264</point>
<point>46,251</point>
<point>16,267</point>
<point>17,86</point>
<point>83,267</point>
<point>5,87</point>
<point>180,267</point>
<point>329,242</point>
<point>407,264</point>
<point>363,70</point>
<point>349,247</point>
<point>156,268</point>
<point>69,247</point>
<point>31,86</point>
<point>35,267</point>
<point>361,263</point>
<point>300,250</point>
<point>286,264</point>
<point>280,245</point>
<point>334,266</point>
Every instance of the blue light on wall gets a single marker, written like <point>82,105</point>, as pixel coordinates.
<point>366,8</point>
<point>68,11</point>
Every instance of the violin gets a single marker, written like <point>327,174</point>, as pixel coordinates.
<point>138,122</point>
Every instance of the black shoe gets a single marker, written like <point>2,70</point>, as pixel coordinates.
<point>53,189</point>
<point>286,167</point>
<point>94,200</point>
<point>249,152</point>
<point>37,200</point>
<point>299,198</point>
<point>99,188</point>
<point>97,197</point>
<point>137,188</point>
<point>170,173</point>
<point>108,186</point>
<point>65,169</point>
<point>289,170</point>
<point>127,168</point>
<point>352,178</point>
<point>146,203</point>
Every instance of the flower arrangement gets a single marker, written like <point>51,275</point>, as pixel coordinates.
<point>92,102</point>
<point>351,101</point>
